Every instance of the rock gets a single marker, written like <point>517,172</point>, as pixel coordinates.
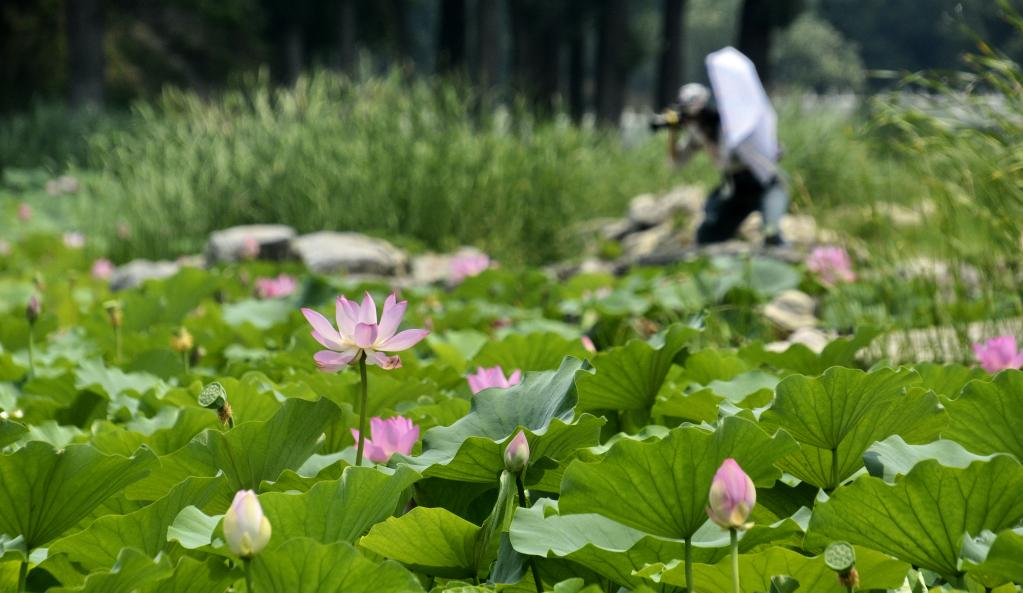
<point>811,337</point>
<point>431,268</point>
<point>648,210</point>
<point>138,271</point>
<point>616,229</point>
<point>266,241</point>
<point>330,252</point>
<point>799,230</point>
<point>643,243</point>
<point>791,310</point>
<point>939,344</point>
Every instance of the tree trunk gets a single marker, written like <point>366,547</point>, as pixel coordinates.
<point>85,52</point>
<point>346,17</point>
<point>577,72</point>
<point>612,44</point>
<point>451,38</point>
<point>670,62</point>
<point>398,28</point>
<point>488,30</point>
<point>756,28</point>
<point>292,52</point>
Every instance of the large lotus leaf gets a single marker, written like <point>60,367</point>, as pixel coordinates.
<point>948,379</point>
<point>303,565</point>
<point>661,487</point>
<point>471,449</point>
<point>10,432</point>
<point>456,348</point>
<point>167,432</point>
<point>256,451</point>
<point>893,457</point>
<point>987,417</point>
<point>916,416</point>
<point>533,352</point>
<point>923,518</point>
<point>122,389</point>
<point>132,571</point>
<point>1004,559</point>
<point>876,571</point>
<point>615,551</point>
<point>800,359</point>
<point>192,460</point>
<point>194,576</point>
<point>46,491</point>
<point>629,377</point>
<point>339,510</point>
<point>194,529</point>
<point>823,411</point>
<point>431,540</point>
<point>145,529</point>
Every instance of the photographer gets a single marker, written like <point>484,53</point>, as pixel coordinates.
<point>736,126</point>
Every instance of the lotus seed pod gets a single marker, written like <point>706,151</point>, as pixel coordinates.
<point>213,396</point>
<point>840,556</point>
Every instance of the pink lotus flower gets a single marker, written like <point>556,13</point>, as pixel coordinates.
<point>516,454</point>
<point>102,269</point>
<point>24,212</point>
<point>467,265</point>
<point>588,344</point>
<point>390,436</point>
<point>732,497</point>
<point>831,264</point>
<point>492,377</point>
<point>998,354</point>
<point>74,240</point>
<point>358,332</point>
<point>273,288</point>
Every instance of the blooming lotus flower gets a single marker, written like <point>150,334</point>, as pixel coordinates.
<point>492,377</point>
<point>732,497</point>
<point>358,332</point>
<point>273,288</point>
<point>831,264</point>
<point>516,454</point>
<point>74,240</point>
<point>246,529</point>
<point>998,354</point>
<point>24,212</point>
<point>387,437</point>
<point>467,265</point>
<point>102,269</point>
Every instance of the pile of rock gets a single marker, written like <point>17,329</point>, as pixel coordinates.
<point>792,313</point>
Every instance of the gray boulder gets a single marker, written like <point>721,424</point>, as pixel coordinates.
<point>267,241</point>
<point>791,310</point>
<point>330,252</point>
<point>138,271</point>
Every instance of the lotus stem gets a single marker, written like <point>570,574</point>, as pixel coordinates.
<point>363,398</point>
<point>31,351</point>
<point>524,503</point>
<point>23,575</point>
<point>248,575</point>
<point>834,469</point>
<point>689,565</point>
<point>735,560</point>
<point>117,344</point>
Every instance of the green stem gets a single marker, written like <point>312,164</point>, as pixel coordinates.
<point>689,565</point>
<point>524,503</point>
<point>31,351</point>
<point>117,345</point>
<point>248,575</point>
<point>363,397</point>
<point>834,469</point>
<point>184,359</point>
<point>735,560</point>
<point>22,575</point>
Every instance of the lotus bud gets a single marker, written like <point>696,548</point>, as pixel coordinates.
<point>516,455</point>
<point>115,312</point>
<point>732,497</point>
<point>33,310</point>
<point>246,529</point>
<point>182,340</point>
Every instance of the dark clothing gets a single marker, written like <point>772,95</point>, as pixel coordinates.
<point>729,204</point>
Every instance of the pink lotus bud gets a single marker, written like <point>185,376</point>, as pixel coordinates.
<point>732,497</point>
<point>274,288</point>
<point>33,310</point>
<point>516,454</point>
<point>246,529</point>
<point>102,269</point>
<point>492,377</point>
<point>588,344</point>
<point>831,264</point>
<point>24,212</point>
<point>998,354</point>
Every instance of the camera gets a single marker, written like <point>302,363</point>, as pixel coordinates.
<point>671,117</point>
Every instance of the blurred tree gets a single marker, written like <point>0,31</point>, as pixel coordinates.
<point>451,36</point>
<point>813,55</point>
<point>578,23</point>
<point>670,67</point>
<point>758,21</point>
<point>488,30</point>
<point>537,31</point>
<point>346,27</point>
<point>612,60</point>
<point>85,52</point>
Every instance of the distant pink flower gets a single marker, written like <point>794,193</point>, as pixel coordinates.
<point>732,496</point>
<point>358,332</point>
<point>390,436</point>
<point>998,354</point>
<point>831,264</point>
<point>250,248</point>
<point>274,288</point>
<point>102,269</point>
<point>74,240</point>
<point>588,344</point>
<point>24,212</point>
<point>467,265</point>
<point>492,377</point>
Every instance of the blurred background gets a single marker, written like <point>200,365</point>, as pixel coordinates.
<point>501,124</point>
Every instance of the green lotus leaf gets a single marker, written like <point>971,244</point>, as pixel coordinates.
<point>893,457</point>
<point>661,487</point>
<point>531,352</point>
<point>1004,561</point>
<point>948,379</point>
<point>302,565</point>
<point>988,415</point>
<point>132,571</point>
<point>924,516</point>
<point>431,540</point>
<point>800,359</point>
<point>193,576</point>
